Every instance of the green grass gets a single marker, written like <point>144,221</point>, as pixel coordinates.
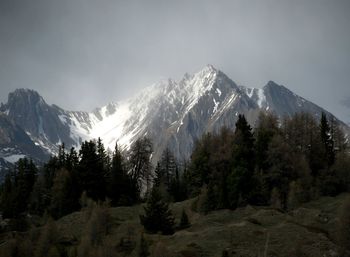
<point>250,231</point>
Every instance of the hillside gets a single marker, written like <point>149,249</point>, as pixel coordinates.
<point>309,230</point>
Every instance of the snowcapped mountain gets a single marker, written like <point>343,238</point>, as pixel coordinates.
<point>173,114</point>
<point>15,144</point>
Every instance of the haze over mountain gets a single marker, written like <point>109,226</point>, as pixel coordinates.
<point>172,113</point>
<point>109,50</point>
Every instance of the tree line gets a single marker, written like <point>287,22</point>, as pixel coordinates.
<point>281,162</point>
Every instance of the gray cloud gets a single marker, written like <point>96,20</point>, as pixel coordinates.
<point>107,50</point>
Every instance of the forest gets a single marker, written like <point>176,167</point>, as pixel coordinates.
<point>281,163</point>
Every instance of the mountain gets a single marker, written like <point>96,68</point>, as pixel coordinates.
<point>173,114</point>
<point>15,144</point>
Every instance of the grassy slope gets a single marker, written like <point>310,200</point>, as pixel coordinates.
<point>249,231</point>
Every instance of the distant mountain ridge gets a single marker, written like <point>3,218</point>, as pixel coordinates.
<point>173,114</point>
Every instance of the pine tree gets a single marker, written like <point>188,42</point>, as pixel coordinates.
<point>158,178</point>
<point>24,179</point>
<point>168,167</point>
<point>158,217</point>
<point>7,198</point>
<point>63,200</point>
<point>72,160</point>
<point>90,171</point>
<point>140,162</point>
<point>267,127</point>
<point>327,140</point>
<point>175,186</point>
<point>103,158</point>
<point>200,167</point>
<point>120,185</point>
<point>40,197</point>
<point>281,168</point>
<point>240,183</point>
<point>62,155</point>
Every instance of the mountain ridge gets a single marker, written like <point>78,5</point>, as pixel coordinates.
<point>172,113</point>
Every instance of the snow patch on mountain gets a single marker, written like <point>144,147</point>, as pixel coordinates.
<point>13,158</point>
<point>261,97</point>
<point>169,112</point>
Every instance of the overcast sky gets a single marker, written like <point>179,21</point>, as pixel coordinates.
<point>80,54</point>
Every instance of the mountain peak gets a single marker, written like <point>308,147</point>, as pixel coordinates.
<point>208,69</point>
<point>273,85</point>
<point>25,95</point>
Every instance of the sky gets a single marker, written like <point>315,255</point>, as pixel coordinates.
<point>82,54</point>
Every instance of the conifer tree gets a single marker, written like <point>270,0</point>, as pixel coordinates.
<point>91,173</point>
<point>7,197</point>
<point>63,200</point>
<point>62,155</point>
<point>140,162</point>
<point>267,127</point>
<point>25,175</point>
<point>158,217</point>
<point>72,160</point>
<point>327,140</point>
<point>40,197</point>
<point>200,167</point>
<point>121,188</point>
<point>158,176</point>
<point>168,167</point>
<point>240,182</point>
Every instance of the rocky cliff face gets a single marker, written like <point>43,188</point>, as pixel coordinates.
<point>173,114</point>
<point>15,144</point>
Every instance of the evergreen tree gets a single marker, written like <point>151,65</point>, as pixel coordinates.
<point>40,197</point>
<point>200,168</point>
<point>140,162</point>
<point>49,171</point>
<point>338,136</point>
<point>175,186</point>
<point>72,160</point>
<point>64,200</point>
<point>327,140</point>
<point>62,155</point>
<point>90,171</point>
<point>25,175</point>
<point>240,183</point>
<point>266,129</point>
<point>158,176</point>
<point>103,158</point>
<point>167,167</point>
<point>281,170</point>
<point>121,189</point>
<point>157,218</point>
<point>167,177</point>
<point>7,198</point>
